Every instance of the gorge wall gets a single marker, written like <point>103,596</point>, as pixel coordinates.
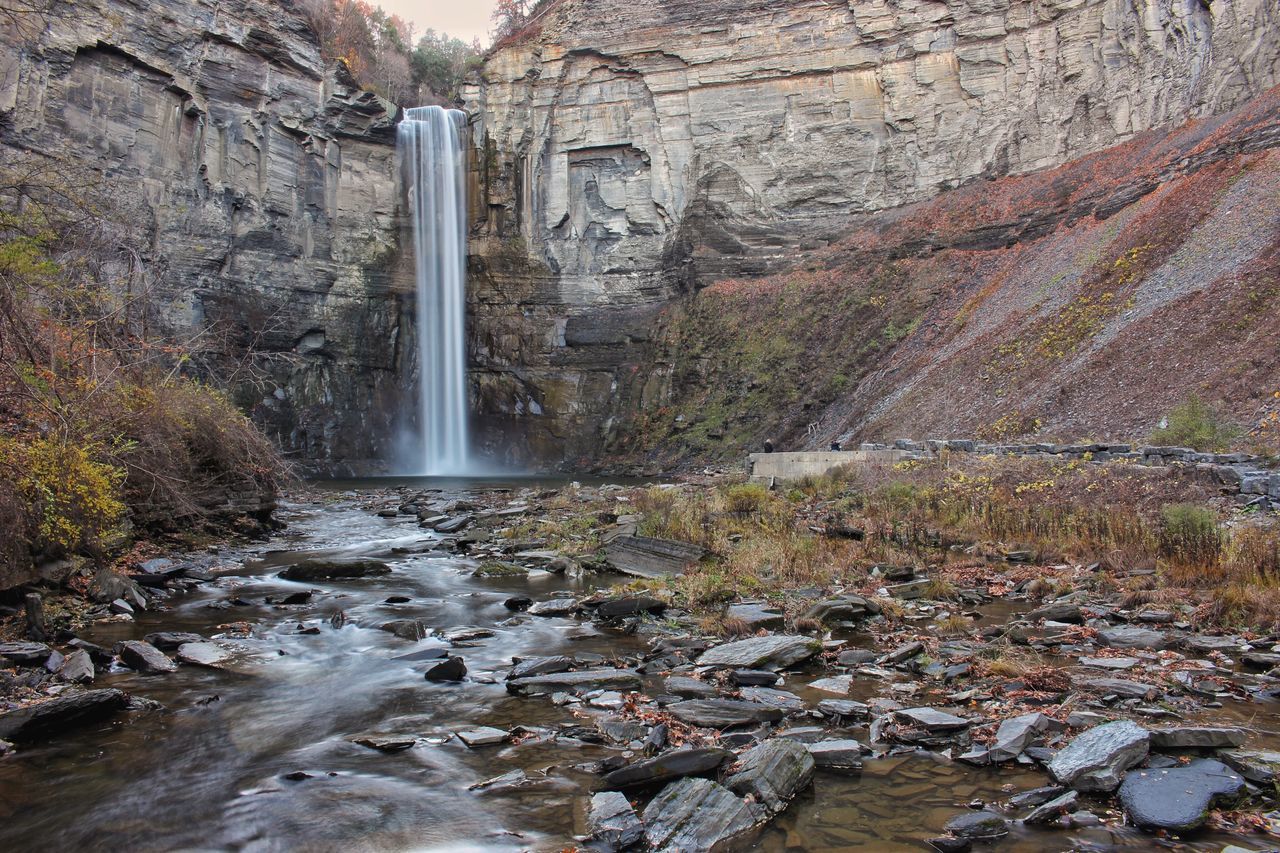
<point>631,154</point>
<point>267,182</point>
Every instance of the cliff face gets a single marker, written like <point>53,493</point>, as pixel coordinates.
<point>270,184</point>
<point>630,154</point>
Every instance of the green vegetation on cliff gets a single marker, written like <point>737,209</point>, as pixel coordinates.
<point>103,430</point>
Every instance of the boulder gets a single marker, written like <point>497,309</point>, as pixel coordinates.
<point>204,654</point>
<point>695,816</point>
<point>667,768</point>
<point>771,774</point>
<point>145,658</point>
<point>773,652</point>
<point>167,641</point>
<point>316,569</point>
<point>629,605</point>
<point>612,824</point>
<point>1177,799</point>
<point>1096,759</point>
<point>554,607</point>
<point>837,756</point>
<point>37,722</point>
<point>77,668</point>
<point>723,713</point>
<point>452,669</point>
<point>24,654</point>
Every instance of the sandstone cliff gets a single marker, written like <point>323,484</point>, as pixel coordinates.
<point>269,181</point>
<point>632,153</point>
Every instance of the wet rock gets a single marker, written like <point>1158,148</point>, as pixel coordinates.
<point>482,736</point>
<point>753,678</point>
<point>1110,663</point>
<point>837,756</point>
<point>25,654</point>
<point>385,743</point>
<point>1036,797</point>
<point>950,844</point>
<point>774,698</point>
<point>756,616</point>
<point>630,605</point>
<point>838,684</point>
<point>1262,767</point>
<point>723,713</point>
<point>454,525</point>
<point>910,590</point>
<point>772,773</point>
<point>540,666</point>
<point>38,722</point>
<point>1096,759</point>
<point>204,654</point>
<point>1055,808</point>
<point>453,669</point>
<point>695,816</point>
<point>429,653</point>
<point>145,658</point>
<point>1017,733</point>
<point>314,570</point>
<point>77,668</point>
<point>773,652</point>
<point>1132,637</point>
<point>1261,660</point>
<point>978,826</point>
<point>855,657</point>
<point>689,688</point>
<point>1119,687</point>
<point>612,824</point>
<point>465,634</point>
<point>932,720</point>
<point>518,603</point>
<point>844,708</point>
<point>849,608</point>
<point>499,569</point>
<point>167,641</point>
<point>904,652</point>
<point>406,629</point>
<point>667,768</point>
<point>1177,799</point>
<point>554,607</point>
<point>1197,737</point>
<point>575,682</point>
<point>1057,612</point>
<point>108,586</point>
<point>390,599</point>
<point>101,656</point>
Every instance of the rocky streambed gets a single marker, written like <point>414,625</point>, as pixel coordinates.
<point>396,670</point>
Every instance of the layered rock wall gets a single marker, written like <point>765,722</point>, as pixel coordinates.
<point>269,184</point>
<point>628,153</point>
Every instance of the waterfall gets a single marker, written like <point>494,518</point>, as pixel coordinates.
<point>433,160</point>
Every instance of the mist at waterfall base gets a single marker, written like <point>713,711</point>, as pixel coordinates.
<point>430,142</point>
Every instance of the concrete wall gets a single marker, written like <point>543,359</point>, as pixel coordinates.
<point>765,467</point>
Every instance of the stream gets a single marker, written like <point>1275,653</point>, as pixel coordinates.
<point>257,757</point>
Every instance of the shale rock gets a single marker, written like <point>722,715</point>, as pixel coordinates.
<point>575,682</point>
<point>667,768</point>
<point>1177,799</point>
<point>723,713</point>
<point>1096,759</point>
<point>315,570</point>
<point>46,719</point>
<point>612,824</point>
<point>772,652</point>
<point>145,658</point>
<point>772,773</point>
<point>695,816</point>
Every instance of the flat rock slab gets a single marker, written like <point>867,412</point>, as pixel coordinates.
<point>1110,663</point>
<point>771,773</point>
<point>574,682</point>
<point>646,557</point>
<point>612,823</point>
<point>25,654</point>
<point>540,666</point>
<point>1132,637</point>
<point>978,826</point>
<point>630,605</point>
<point>1177,799</point>
<point>384,742</point>
<point>723,713</point>
<point>695,816</point>
<point>837,756</point>
<point>1259,766</point>
<point>313,570</point>
<point>846,708</point>
<point>1197,737</point>
<point>167,641</point>
<point>1119,687</point>
<point>667,767</point>
<point>1096,759</point>
<point>756,616</point>
<point>837,684</point>
<point>1050,811</point>
<point>37,722</point>
<point>554,607</point>
<point>932,720</point>
<point>773,652</point>
<point>482,736</point>
<point>145,658</point>
<point>689,688</point>
<point>773,698</point>
<point>204,654</point>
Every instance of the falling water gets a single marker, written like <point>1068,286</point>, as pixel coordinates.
<point>434,164</point>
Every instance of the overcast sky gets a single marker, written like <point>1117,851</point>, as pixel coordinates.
<point>464,19</point>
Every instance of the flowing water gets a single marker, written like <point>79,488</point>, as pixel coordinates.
<point>212,772</point>
<point>433,163</point>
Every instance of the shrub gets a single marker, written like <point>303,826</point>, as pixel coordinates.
<point>1189,536</point>
<point>1194,424</point>
<point>746,497</point>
